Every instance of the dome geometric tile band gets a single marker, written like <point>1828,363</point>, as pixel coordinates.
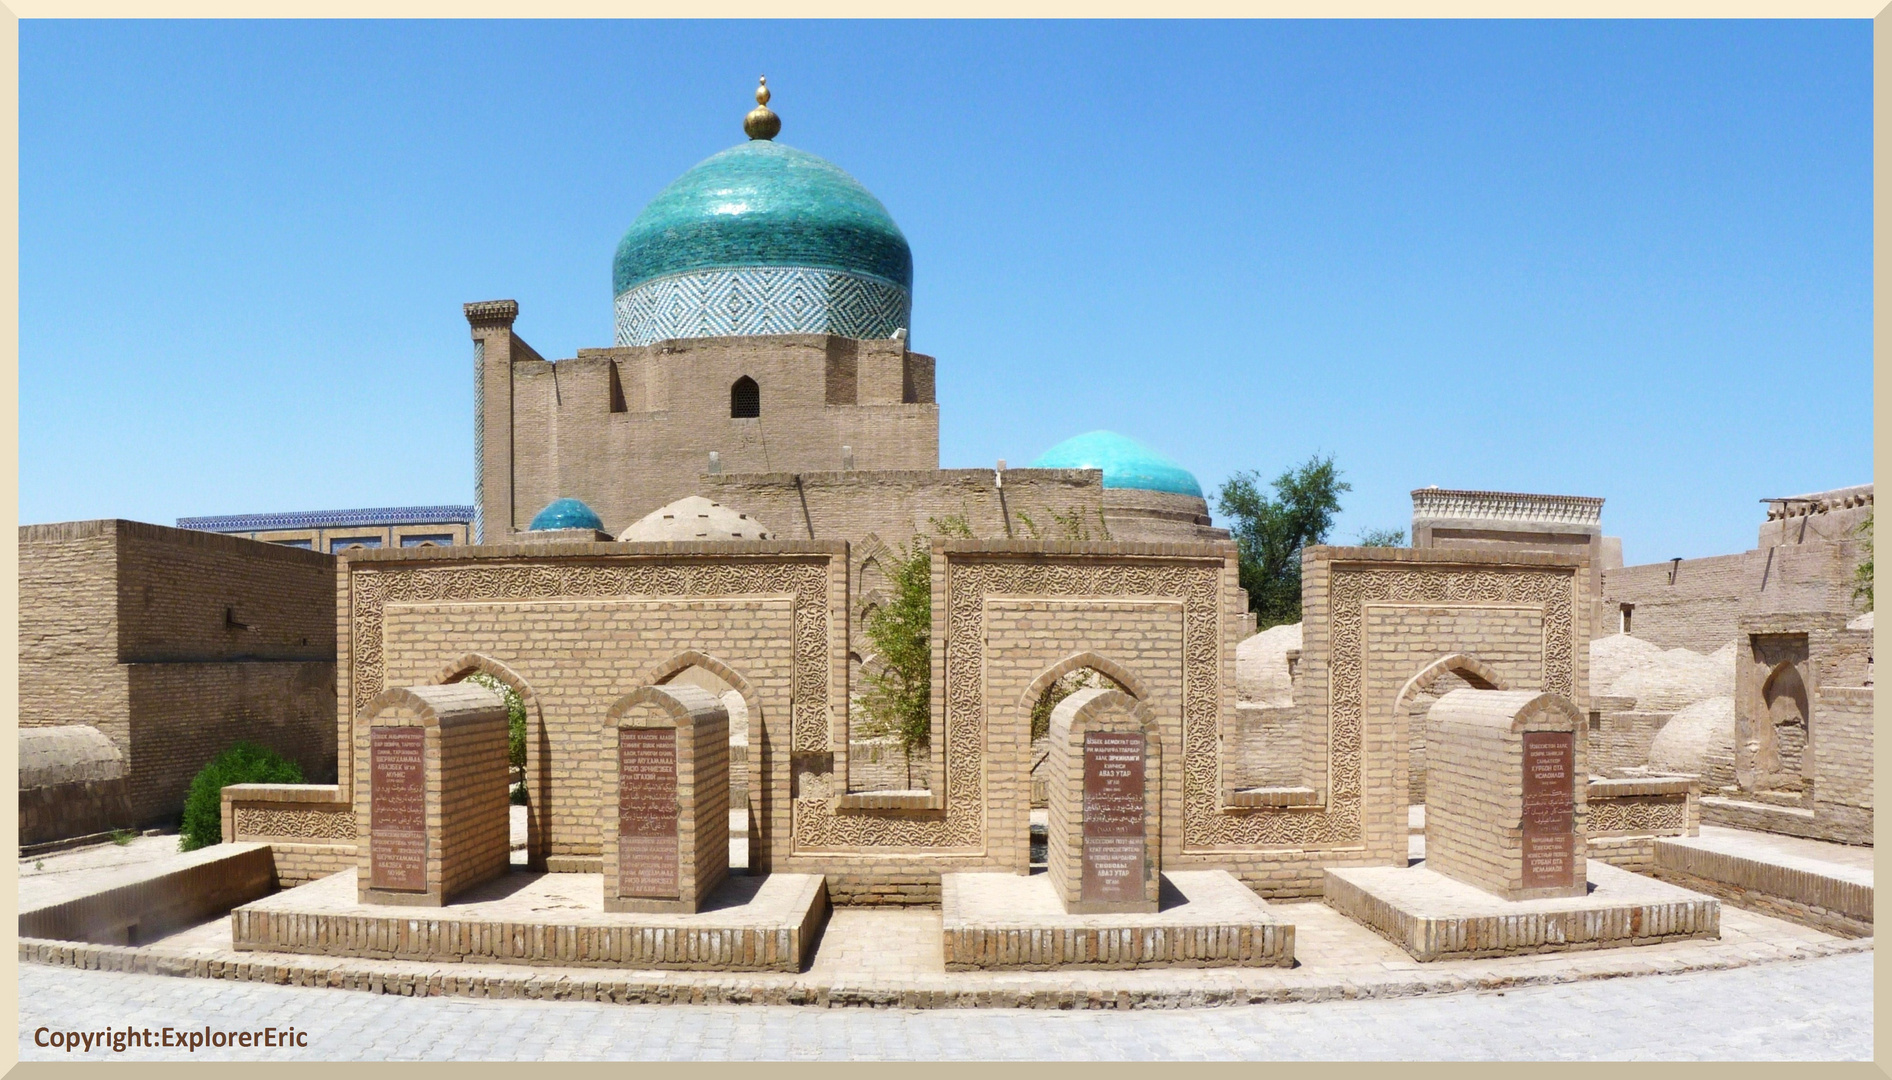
<point>760,300</point>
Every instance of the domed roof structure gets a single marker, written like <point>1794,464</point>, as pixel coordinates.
<point>565,514</point>
<point>696,518</point>
<point>1126,463</point>
<point>762,239</point>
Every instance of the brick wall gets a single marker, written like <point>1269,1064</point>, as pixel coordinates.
<point>699,725</point>
<point>1024,638</point>
<point>1700,609</point>
<point>1096,709</point>
<point>558,429</point>
<point>195,597</point>
<point>896,506</point>
<point>184,715</point>
<point>475,814</point>
<point>1402,639</point>
<point>69,671</point>
<point>468,816</point>
<point>1842,748</point>
<point>175,644</point>
<point>580,656</point>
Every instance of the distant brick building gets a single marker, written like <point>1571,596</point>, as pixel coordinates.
<point>336,531</point>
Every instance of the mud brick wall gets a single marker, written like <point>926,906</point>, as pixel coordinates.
<point>630,429</point>
<point>1701,608</point>
<point>69,671</point>
<point>184,715</point>
<point>1842,754</point>
<point>175,644</point>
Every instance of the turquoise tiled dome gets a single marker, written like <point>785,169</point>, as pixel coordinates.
<point>763,204</point>
<point>762,239</point>
<point>565,514</point>
<point>1126,463</point>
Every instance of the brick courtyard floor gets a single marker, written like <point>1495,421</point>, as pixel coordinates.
<point>1799,1010</point>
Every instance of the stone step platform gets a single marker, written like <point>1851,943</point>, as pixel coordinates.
<point>749,924</point>
<point>1434,917</point>
<point>1206,918</point>
<point>1818,884</point>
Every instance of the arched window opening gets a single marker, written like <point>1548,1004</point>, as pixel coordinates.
<point>745,399</point>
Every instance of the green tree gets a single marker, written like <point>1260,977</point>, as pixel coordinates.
<point>898,701</point>
<point>1383,538</point>
<point>515,725</point>
<point>243,763</point>
<point>1270,531</point>
<point>1862,576</point>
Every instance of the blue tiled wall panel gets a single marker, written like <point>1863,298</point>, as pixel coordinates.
<point>760,300</point>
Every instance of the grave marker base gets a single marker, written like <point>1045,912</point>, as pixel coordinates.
<point>1435,917</point>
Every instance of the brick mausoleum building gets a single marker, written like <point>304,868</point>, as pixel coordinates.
<point>675,544</point>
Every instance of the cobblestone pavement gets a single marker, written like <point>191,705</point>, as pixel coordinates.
<point>1818,1009</point>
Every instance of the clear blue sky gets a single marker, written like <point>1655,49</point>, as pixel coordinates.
<point>1621,259</point>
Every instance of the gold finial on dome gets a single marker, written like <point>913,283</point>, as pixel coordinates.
<point>762,123</point>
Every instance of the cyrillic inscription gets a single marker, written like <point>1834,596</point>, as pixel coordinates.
<point>647,812</point>
<point>397,809</point>
<point>1113,817</point>
<point>1549,808</point>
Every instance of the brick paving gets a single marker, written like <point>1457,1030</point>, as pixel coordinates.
<point>1818,1009</point>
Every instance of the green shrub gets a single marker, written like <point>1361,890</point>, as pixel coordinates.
<point>244,763</point>
<point>515,717</point>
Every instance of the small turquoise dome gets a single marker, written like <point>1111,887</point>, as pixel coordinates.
<point>566,514</point>
<point>762,239</point>
<point>1126,463</point>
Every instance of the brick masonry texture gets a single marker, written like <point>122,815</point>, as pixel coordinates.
<point>1476,819</point>
<point>1834,898</point>
<point>1101,710</point>
<point>175,644</point>
<point>699,724</point>
<point>1434,917</point>
<point>1701,608</point>
<point>575,626</point>
<point>766,924</point>
<point>997,922</point>
<point>630,429</point>
<point>463,779</point>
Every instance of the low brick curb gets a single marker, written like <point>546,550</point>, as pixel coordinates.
<point>413,979</point>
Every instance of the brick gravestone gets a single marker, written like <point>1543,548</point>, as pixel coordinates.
<point>1505,793</point>
<point>433,808</point>
<point>1103,841</point>
<point>666,831</point>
